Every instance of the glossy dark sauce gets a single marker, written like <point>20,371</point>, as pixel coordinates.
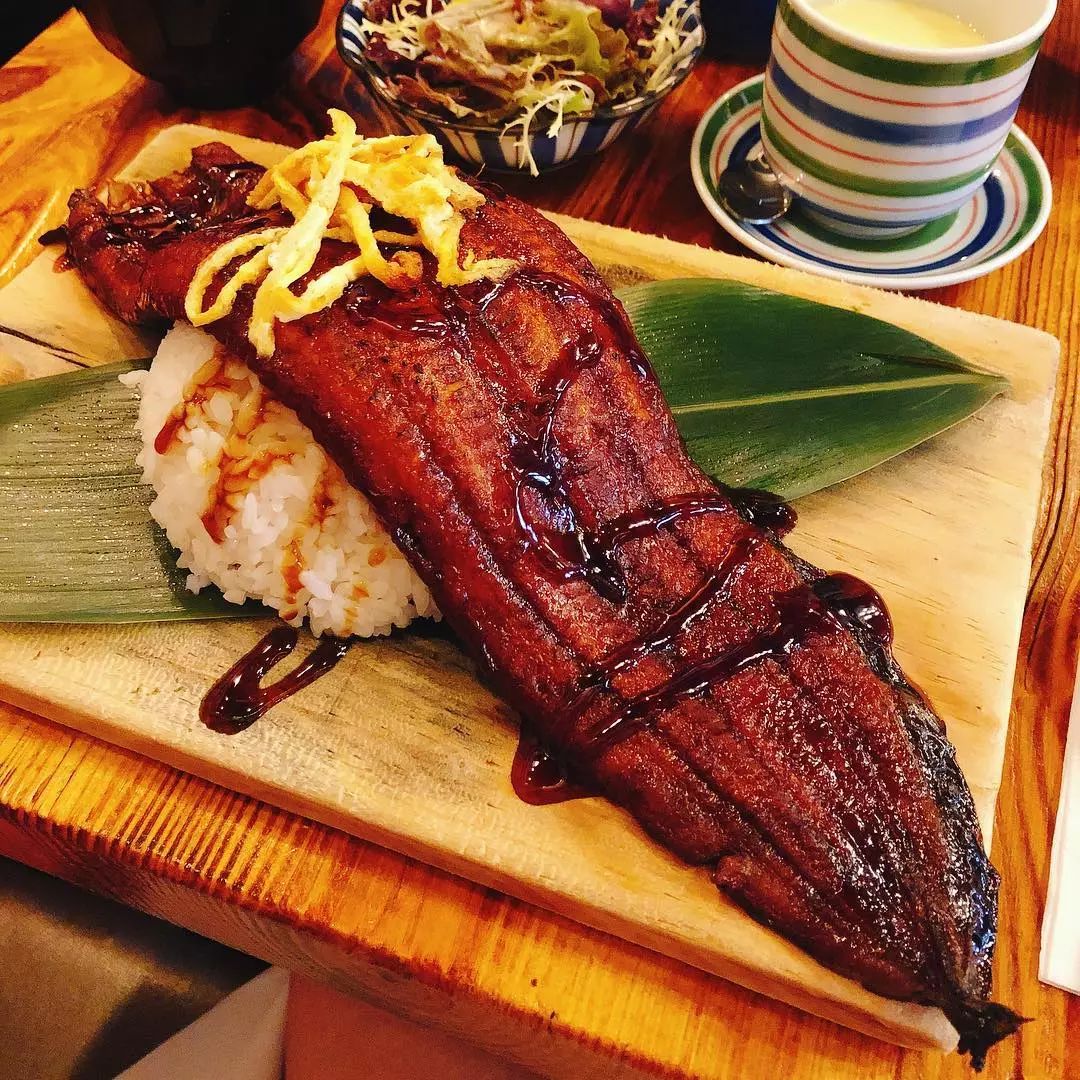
<point>59,235</point>
<point>538,778</point>
<point>215,192</point>
<point>238,698</point>
<point>759,508</point>
<point>799,614</point>
<point>612,322</point>
<point>425,311</point>
<point>838,601</point>
<point>460,315</point>
<point>858,607</point>
<point>764,509</point>
<point>558,538</point>
<point>567,549</point>
<point>716,586</point>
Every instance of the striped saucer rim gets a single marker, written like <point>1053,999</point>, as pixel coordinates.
<point>1002,221</point>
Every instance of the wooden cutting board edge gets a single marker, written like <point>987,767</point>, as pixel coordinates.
<point>900,1023</point>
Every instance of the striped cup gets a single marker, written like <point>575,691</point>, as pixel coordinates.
<point>877,140</point>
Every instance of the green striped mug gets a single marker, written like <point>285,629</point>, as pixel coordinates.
<point>879,139</point>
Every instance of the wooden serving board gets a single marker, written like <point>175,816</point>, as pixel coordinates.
<point>402,746</point>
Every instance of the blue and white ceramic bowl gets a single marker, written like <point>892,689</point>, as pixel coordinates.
<point>486,146</point>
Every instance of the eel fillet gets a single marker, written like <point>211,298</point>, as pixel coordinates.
<point>687,666</point>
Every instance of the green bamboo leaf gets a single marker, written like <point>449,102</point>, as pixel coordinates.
<point>77,543</point>
<point>792,396</point>
<point>769,391</point>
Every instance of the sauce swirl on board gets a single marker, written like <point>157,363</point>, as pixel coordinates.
<point>238,698</point>
<point>539,778</point>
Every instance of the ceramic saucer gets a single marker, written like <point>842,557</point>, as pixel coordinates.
<point>1000,223</point>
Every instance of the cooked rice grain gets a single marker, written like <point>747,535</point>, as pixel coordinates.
<point>254,505</point>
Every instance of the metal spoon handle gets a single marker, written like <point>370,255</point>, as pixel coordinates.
<point>752,192</point>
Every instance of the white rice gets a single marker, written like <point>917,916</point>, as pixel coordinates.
<point>289,529</point>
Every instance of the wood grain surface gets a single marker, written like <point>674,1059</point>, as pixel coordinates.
<point>567,1000</point>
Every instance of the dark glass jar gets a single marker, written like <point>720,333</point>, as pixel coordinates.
<point>207,53</point>
<point>738,29</point>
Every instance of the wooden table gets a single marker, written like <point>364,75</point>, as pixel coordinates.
<point>563,999</point>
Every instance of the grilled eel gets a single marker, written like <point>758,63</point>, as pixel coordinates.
<point>657,636</point>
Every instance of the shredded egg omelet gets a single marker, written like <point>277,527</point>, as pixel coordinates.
<point>329,187</point>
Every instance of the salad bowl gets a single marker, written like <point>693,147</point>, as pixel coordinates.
<point>547,143</point>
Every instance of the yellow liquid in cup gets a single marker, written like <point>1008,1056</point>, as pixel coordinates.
<point>902,22</point>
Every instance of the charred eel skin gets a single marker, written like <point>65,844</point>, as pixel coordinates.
<point>743,706</point>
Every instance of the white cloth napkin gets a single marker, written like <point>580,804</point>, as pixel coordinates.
<point>241,1038</point>
<point>1059,964</point>
<point>277,1027</point>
